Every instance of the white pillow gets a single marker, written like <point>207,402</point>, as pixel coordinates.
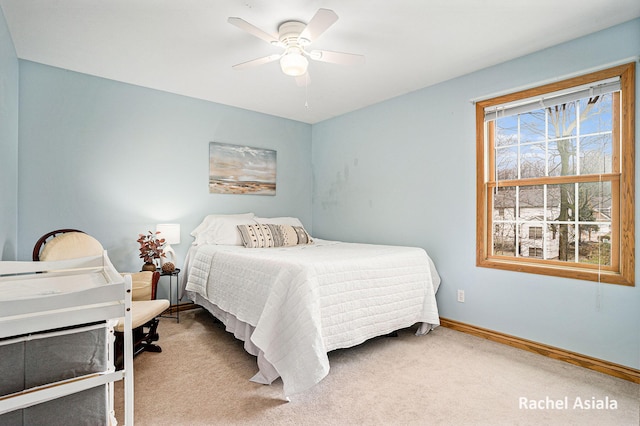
<point>293,221</point>
<point>221,229</point>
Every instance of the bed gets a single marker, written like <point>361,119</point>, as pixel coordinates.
<point>292,299</point>
<point>56,342</point>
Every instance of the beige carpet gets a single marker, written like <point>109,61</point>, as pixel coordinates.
<point>444,378</point>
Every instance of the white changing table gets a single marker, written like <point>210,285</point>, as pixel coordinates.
<point>57,314</point>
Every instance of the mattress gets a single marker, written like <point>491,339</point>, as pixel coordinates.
<point>303,301</point>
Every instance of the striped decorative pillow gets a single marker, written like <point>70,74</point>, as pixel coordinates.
<point>271,235</point>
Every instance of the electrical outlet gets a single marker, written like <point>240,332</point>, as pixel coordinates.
<point>461,296</point>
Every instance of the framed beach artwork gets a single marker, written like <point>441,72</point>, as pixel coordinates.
<point>235,169</point>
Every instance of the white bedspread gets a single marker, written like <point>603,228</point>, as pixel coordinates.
<point>304,301</point>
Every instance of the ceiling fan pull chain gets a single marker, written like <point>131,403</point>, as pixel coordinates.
<point>306,91</point>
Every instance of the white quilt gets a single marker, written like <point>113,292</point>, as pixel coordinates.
<point>305,301</point>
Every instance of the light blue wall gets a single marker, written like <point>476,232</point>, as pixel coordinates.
<point>114,160</point>
<point>8,144</point>
<point>403,172</point>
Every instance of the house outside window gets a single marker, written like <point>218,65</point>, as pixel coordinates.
<point>556,178</point>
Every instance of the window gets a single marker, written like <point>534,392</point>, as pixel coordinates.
<point>535,232</point>
<point>555,178</point>
<point>535,252</point>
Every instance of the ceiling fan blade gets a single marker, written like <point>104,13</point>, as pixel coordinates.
<point>336,57</point>
<point>322,20</point>
<point>256,62</point>
<point>303,80</point>
<point>253,30</point>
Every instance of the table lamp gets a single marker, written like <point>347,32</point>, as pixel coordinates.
<point>171,234</point>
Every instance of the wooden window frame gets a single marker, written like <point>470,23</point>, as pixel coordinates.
<point>622,269</point>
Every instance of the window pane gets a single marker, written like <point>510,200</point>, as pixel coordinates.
<point>532,126</point>
<point>506,131</point>
<point>595,114</point>
<point>595,252</point>
<point>564,244</point>
<point>594,238</point>
<point>594,201</point>
<point>562,157</point>
<point>553,236</point>
<point>532,160</point>
<point>596,154</point>
<point>562,120</point>
<point>530,243</point>
<point>507,163</point>
<point>561,202</point>
<point>531,202</point>
<point>504,239</point>
<point>504,203</point>
<point>504,213</point>
<point>553,202</point>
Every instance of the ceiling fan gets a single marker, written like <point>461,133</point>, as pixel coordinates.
<point>294,37</point>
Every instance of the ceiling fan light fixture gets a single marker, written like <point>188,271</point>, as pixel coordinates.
<point>294,37</point>
<point>294,63</point>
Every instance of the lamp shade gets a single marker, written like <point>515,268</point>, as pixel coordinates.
<point>293,63</point>
<point>170,232</point>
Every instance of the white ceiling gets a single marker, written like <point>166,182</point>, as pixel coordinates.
<point>187,47</point>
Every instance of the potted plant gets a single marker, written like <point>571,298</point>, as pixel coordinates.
<point>151,248</point>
